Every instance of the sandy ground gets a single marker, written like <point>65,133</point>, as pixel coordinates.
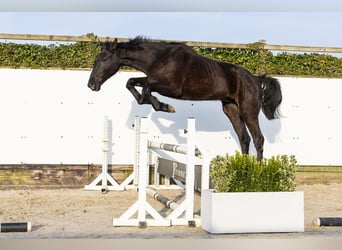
<point>76,213</point>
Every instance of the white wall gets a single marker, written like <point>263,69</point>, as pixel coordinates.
<point>50,116</point>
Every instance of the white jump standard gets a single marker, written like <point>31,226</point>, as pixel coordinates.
<point>183,213</point>
<point>141,205</point>
<point>104,178</point>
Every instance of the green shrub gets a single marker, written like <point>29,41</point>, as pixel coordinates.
<point>244,173</point>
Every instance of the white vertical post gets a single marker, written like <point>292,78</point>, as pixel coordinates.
<point>105,154</point>
<point>190,169</point>
<point>142,167</point>
<point>137,150</point>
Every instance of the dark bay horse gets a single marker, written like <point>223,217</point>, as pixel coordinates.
<point>175,70</point>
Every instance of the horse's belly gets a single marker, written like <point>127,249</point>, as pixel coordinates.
<point>205,91</point>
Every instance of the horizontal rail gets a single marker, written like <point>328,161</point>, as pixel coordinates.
<point>168,147</point>
<point>167,202</point>
<point>91,37</point>
<point>181,149</point>
<point>303,48</point>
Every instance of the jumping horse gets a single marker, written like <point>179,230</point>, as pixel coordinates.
<point>175,70</point>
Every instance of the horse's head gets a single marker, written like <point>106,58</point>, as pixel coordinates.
<point>107,63</point>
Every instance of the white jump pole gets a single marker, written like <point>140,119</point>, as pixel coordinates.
<point>105,155</point>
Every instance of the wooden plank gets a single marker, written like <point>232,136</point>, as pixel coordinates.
<point>91,37</point>
<point>177,171</point>
<point>318,174</point>
<point>56,175</point>
<point>303,48</point>
<point>76,176</point>
<point>82,38</point>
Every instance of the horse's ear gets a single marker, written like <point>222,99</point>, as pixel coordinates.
<point>113,45</point>
<point>102,44</point>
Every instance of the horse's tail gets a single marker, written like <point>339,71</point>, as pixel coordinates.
<point>272,96</point>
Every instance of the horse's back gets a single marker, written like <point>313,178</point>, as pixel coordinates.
<point>199,77</point>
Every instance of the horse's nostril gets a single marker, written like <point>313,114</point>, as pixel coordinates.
<point>91,86</point>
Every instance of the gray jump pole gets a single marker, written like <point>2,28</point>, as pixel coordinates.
<point>15,227</point>
<point>171,147</point>
<point>328,221</point>
<point>167,202</point>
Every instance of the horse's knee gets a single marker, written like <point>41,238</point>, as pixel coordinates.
<point>146,92</point>
<point>130,83</point>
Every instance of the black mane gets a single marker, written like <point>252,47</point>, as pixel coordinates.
<point>139,39</point>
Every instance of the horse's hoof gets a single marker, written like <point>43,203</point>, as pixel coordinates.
<point>170,109</point>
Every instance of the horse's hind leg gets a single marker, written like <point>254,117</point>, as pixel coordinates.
<point>232,111</point>
<point>252,121</point>
<point>258,138</point>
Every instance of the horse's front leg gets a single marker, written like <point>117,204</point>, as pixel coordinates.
<point>139,82</point>
<point>146,97</point>
<point>156,104</point>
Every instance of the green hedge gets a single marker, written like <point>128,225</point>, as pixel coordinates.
<point>244,173</point>
<point>82,54</point>
<point>77,55</point>
<point>261,61</point>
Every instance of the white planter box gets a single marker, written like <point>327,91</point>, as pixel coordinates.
<point>252,212</point>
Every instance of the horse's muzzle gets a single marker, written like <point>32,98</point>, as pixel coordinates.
<point>93,86</point>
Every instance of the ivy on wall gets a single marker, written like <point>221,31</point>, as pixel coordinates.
<point>81,55</point>
<point>265,62</point>
<point>72,56</point>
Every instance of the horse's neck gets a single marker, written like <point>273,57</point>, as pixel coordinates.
<point>143,59</point>
<point>140,60</point>
<point>138,65</point>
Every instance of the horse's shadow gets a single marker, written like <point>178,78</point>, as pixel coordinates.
<point>209,118</point>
